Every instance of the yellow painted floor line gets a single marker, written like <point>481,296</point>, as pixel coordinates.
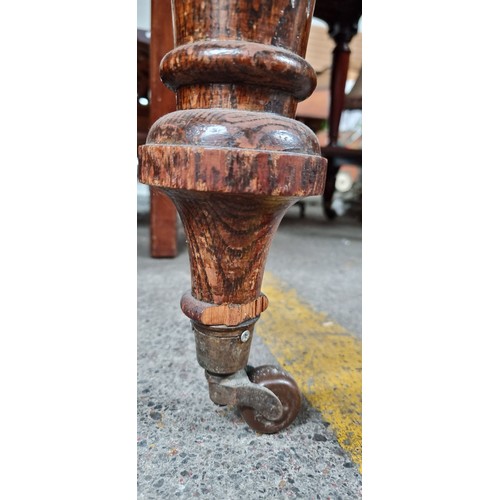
<point>321,355</point>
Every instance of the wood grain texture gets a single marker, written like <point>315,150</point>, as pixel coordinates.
<point>239,129</point>
<point>231,157</point>
<point>209,314</point>
<point>241,62</point>
<point>229,237</point>
<point>232,171</point>
<point>279,23</point>
<point>236,96</point>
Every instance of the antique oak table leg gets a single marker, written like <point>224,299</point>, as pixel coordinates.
<point>233,159</point>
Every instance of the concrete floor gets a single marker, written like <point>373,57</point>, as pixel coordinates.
<point>187,446</point>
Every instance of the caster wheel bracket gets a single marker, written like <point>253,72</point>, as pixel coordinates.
<point>237,390</point>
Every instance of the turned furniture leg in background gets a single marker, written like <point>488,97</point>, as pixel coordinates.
<point>331,178</point>
<point>340,66</point>
<point>163,215</point>
<point>233,160</point>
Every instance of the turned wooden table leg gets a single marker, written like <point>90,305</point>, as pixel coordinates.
<point>233,159</point>
<point>340,67</point>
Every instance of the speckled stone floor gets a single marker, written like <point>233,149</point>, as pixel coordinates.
<point>190,448</point>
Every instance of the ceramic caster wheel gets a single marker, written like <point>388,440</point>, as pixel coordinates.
<point>282,385</point>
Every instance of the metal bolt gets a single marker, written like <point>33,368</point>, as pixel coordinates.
<point>245,336</point>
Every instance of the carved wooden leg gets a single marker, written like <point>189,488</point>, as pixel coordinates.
<point>233,159</point>
<point>340,66</point>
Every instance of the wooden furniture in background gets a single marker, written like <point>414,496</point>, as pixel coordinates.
<point>342,17</point>
<point>163,215</point>
<point>233,160</point>
<point>143,122</point>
